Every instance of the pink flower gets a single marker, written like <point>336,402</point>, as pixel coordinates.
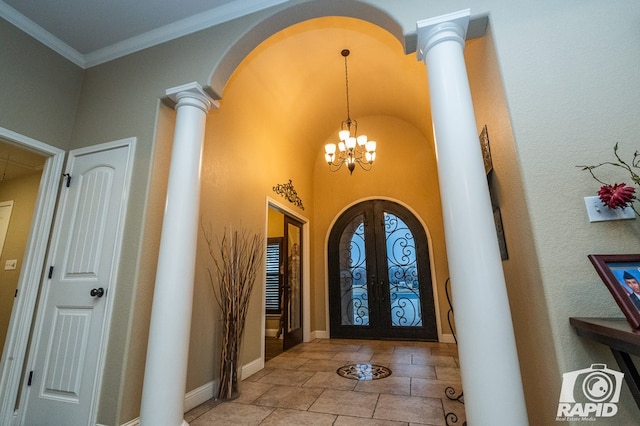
<point>617,195</point>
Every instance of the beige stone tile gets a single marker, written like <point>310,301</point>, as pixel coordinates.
<point>338,347</point>
<point>413,350</point>
<point>378,349</point>
<point>445,350</point>
<point>231,413</point>
<point>349,403</point>
<point>351,357</point>
<point>410,370</point>
<point>293,397</point>
<point>360,421</point>
<point>250,391</point>
<point>391,385</point>
<point>287,363</point>
<point>286,417</point>
<point>410,409</point>
<point>387,359</point>
<point>439,360</point>
<point>316,354</point>
<point>330,380</point>
<point>448,373</point>
<point>434,388</point>
<point>200,410</point>
<point>258,375</point>
<point>328,365</point>
<point>286,377</point>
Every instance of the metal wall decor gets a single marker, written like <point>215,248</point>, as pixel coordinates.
<point>287,191</point>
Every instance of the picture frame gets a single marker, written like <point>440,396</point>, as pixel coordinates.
<point>621,274</point>
<point>502,242</point>
<point>486,150</point>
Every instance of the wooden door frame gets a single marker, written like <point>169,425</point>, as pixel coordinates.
<point>434,281</point>
<point>15,349</point>
<point>306,278</point>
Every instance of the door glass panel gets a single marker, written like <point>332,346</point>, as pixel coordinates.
<point>354,298</point>
<point>295,315</point>
<point>404,291</point>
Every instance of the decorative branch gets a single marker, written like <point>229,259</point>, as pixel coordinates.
<point>618,195</point>
<point>236,259</point>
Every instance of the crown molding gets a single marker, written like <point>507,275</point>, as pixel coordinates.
<point>25,24</point>
<point>218,15</point>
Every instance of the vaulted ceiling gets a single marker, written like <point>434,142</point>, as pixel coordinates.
<point>300,70</point>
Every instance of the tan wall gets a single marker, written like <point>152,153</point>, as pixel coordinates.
<point>405,171</point>
<point>23,191</point>
<point>569,77</point>
<point>40,89</point>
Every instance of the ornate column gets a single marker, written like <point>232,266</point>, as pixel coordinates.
<point>168,348</point>
<point>488,359</point>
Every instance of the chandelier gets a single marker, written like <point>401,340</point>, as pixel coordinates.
<point>353,148</point>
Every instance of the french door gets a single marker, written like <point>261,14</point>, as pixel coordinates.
<point>379,275</point>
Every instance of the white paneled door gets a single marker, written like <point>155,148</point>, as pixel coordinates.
<point>65,363</point>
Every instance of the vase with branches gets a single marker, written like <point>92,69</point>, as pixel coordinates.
<point>236,259</point>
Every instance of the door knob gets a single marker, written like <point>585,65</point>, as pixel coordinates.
<point>97,292</point>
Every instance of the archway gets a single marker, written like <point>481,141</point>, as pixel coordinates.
<point>380,274</point>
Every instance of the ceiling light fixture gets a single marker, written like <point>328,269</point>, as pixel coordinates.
<point>353,148</point>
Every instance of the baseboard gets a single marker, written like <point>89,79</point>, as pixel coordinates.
<point>191,400</point>
<point>447,338</point>
<point>200,395</point>
<point>319,334</point>
<point>252,368</point>
<point>270,332</point>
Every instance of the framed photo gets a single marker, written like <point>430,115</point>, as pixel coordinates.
<point>486,150</point>
<point>621,274</point>
<point>497,217</point>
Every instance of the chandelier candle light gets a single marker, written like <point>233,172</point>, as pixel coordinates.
<point>353,148</point>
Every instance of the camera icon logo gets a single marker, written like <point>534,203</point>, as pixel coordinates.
<point>590,392</point>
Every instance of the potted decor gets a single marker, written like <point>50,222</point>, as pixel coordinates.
<point>236,259</point>
<point>619,195</point>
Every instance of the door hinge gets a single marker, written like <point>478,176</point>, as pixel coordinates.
<point>16,295</point>
<point>30,378</point>
<point>68,176</point>
<point>50,272</point>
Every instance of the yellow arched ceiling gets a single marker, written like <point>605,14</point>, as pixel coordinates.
<point>298,77</point>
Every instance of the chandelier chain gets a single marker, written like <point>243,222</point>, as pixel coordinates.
<point>346,81</point>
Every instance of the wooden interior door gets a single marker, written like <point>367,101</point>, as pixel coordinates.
<point>292,286</point>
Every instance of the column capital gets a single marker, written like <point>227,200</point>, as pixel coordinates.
<point>192,94</point>
<point>432,31</point>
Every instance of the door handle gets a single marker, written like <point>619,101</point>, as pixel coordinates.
<point>97,292</point>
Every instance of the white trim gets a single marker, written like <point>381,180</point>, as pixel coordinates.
<point>130,144</point>
<point>15,349</point>
<point>192,399</point>
<point>270,332</point>
<point>319,334</point>
<point>200,395</point>
<point>306,270</point>
<point>448,338</point>
<point>252,367</point>
<point>192,24</point>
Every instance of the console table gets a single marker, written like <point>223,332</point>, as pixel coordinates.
<point>622,339</point>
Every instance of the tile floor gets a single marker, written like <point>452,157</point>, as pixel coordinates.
<point>301,387</point>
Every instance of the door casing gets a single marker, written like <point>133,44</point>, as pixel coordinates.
<point>15,349</point>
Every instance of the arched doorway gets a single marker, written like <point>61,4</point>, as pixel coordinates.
<point>380,275</point>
